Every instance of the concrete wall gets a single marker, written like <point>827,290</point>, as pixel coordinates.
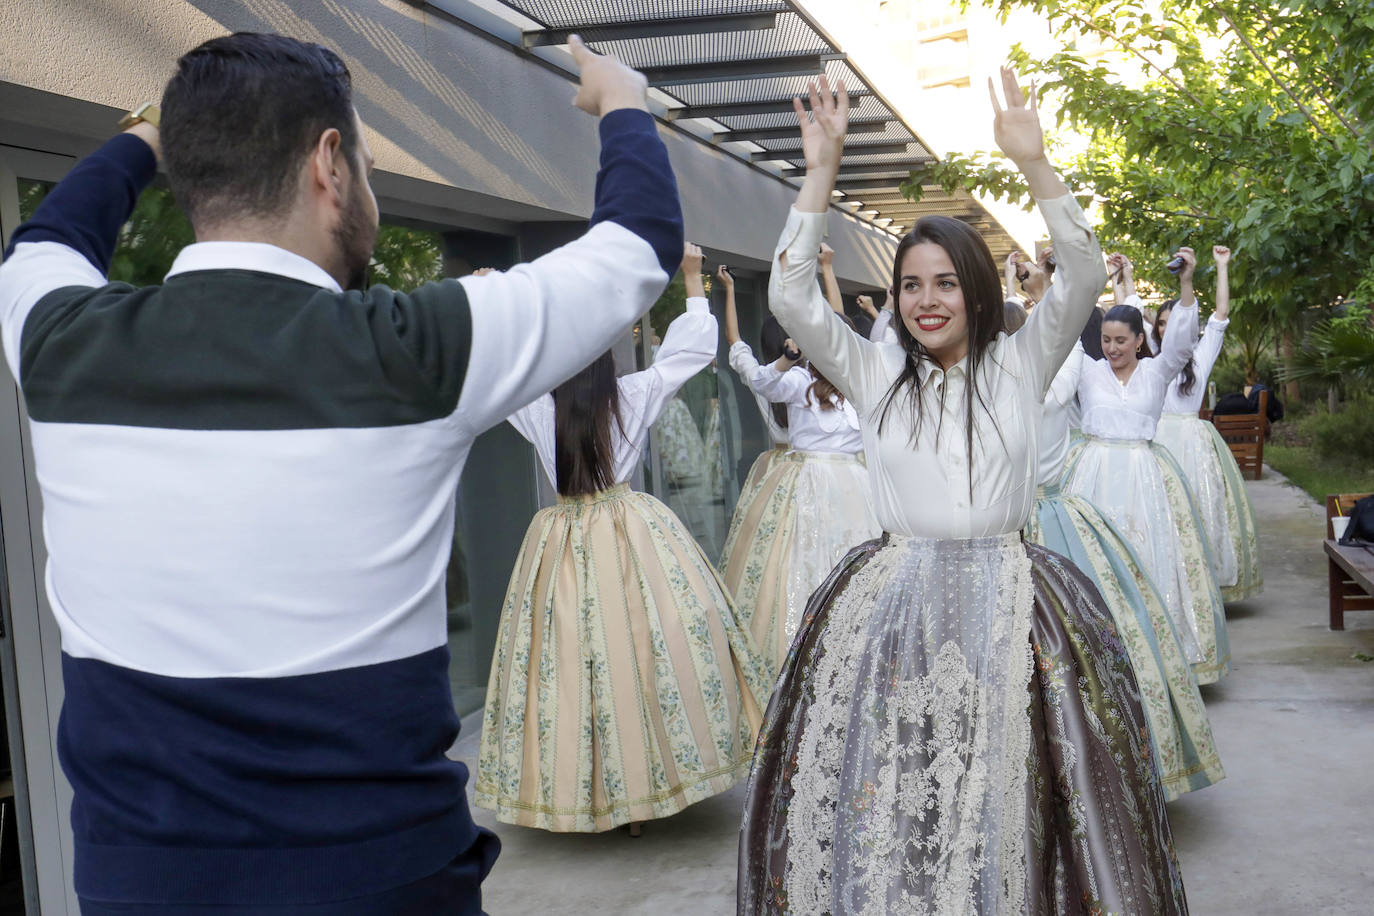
<point>459,121</point>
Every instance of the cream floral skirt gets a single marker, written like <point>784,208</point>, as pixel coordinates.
<point>1139,487</point>
<point>804,514</point>
<point>624,685</point>
<point>1222,502</point>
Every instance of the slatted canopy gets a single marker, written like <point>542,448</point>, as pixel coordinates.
<point>734,66</point>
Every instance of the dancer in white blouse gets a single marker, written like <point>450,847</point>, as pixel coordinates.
<point>881,331</point>
<point>816,503</point>
<point>1137,483</point>
<point>832,507</point>
<point>1070,525</point>
<point>957,728</point>
<point>624,686</point>
<point>771,339</point>
<point>1207,462</point>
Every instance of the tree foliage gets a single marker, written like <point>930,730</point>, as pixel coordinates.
<point>405,258</point>
<point>1337,351</point>
<point>157,230</point>
<point>1249,124</point>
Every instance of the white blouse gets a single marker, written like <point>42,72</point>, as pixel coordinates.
<point>745,365</point>
<point>809,427</point>
<point>922,482</point>
<point>1061,410</point>
<point>1204,358</point>
<point>882,330</point>
<point>688,347</point>
<point>1113,410</point>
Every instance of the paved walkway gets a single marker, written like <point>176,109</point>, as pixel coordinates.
<point>1290,831</point>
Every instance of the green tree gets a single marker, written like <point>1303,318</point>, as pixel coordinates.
<point>1246,123</point>
<point>405,258</point>
<point>157,230</point>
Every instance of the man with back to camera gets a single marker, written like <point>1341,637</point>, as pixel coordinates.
<point>248,476</point>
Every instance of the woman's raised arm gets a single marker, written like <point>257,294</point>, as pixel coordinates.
<point>851,362</point>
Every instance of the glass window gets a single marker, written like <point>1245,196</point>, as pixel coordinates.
<point>149,241</point>
<point>710,432</point>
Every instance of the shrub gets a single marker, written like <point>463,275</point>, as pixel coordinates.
<point>1347,435</point>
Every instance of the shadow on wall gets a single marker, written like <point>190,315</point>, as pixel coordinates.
<point>470,113</point>
<point>430,91</point>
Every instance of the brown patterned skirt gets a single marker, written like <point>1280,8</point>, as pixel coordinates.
<point>914,760</point>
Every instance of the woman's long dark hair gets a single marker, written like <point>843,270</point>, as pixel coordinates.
<point>771,344</point>
<point>1130,316</point>
<point>585,406</point>
<point>1091,337</point>
<point>1189,373</point>
<point>983,304</point>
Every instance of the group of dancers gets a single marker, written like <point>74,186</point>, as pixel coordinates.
<point>954,646</point>
<point>966,600</point>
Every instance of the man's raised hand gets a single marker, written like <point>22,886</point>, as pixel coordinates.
<point>606,84</point>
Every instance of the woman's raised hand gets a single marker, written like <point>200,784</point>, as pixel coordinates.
<point>1221,254</point>
<point>1017,127</point>
<point>691,271</point>
<point>823,132</point>
<point>691,258</point>
<point>726,278</point>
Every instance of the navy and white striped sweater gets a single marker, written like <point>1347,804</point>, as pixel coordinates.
<point>248,480</point>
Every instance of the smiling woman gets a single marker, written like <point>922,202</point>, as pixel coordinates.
<point>950,299</point>
<point>957,727</point>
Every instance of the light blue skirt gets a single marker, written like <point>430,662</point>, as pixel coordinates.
<point>1180,732</point>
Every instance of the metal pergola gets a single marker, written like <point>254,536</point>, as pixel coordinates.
<point>732,67</point>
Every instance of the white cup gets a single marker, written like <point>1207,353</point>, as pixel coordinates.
<point>1338,523</point>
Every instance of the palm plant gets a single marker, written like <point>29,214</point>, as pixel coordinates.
<point>1337,352</point>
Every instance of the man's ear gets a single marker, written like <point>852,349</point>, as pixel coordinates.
<point>327,165</point>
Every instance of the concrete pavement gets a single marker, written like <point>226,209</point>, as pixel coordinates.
<point>1290,831</point>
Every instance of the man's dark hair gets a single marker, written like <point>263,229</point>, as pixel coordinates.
<point>242,113</point>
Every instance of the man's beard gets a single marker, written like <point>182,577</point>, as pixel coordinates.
<point>355,235</point>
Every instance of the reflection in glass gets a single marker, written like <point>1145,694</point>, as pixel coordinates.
<point>699,441</point>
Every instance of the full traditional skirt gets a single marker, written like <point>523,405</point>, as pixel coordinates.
<point>957,730</point>
<point>1138,485</point>
<point>1180,733</point>
<point>805,514</point>
<point>1223,502</point>
<point>624,685</point>
<point>757,472</point>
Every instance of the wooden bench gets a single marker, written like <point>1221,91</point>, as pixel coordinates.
<point>1350,569</point>
<point>1244,434</point>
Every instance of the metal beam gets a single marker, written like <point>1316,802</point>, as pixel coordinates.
<point>791,133</point>
<point>792,65</point>
<point>744,109</point>
<point>881,199</point>
<point>950,207</point>
<point>860,185</point>
<point>901,169</point>
<point>783,154</point>
<point>653,28</point>
<point>927,204</point>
